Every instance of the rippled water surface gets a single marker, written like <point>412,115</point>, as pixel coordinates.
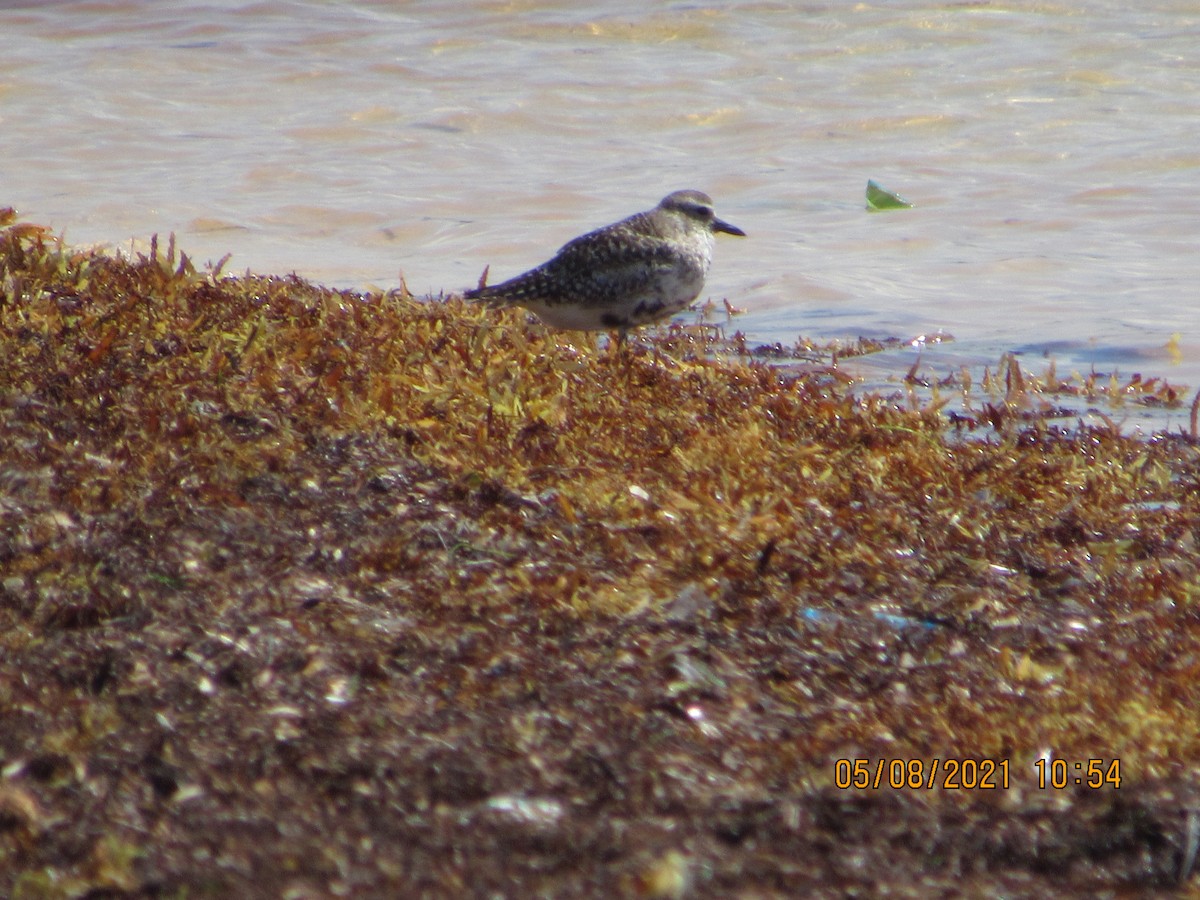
<point>1051,151</point>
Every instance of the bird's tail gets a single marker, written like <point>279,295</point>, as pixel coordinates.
<point>492,296</point>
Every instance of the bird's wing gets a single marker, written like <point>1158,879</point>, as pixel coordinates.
<point>594,263</point>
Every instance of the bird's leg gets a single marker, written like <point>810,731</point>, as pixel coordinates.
<point>658,355</point>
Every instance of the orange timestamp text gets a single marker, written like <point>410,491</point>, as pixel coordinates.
<point>970,774</point>
<point>916,774</point>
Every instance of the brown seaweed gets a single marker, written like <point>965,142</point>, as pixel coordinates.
<point>306,591</point>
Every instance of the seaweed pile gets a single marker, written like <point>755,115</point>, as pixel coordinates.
<point>310,592</point>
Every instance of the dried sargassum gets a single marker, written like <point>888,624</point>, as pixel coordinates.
<point>324,591</point>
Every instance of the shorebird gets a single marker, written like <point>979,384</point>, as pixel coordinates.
<point>633,272</point>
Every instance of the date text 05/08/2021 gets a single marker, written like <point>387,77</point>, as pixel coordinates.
<point>972,774</point>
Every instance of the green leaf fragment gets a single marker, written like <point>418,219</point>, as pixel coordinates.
<point>878,198</point>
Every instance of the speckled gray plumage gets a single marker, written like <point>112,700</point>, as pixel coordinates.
<point>633,272</point>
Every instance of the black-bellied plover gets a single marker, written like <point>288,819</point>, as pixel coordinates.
<point>633,272</point>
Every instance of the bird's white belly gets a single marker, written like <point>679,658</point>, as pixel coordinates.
<point>671,292</point>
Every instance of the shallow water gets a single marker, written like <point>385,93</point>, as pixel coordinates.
<point>1050,151</point>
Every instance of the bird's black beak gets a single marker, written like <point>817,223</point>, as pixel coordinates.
<point>718,225</point>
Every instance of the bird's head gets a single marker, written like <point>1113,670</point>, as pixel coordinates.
<point>698,206</point>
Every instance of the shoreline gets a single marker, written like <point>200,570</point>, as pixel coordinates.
<point>307,594</point>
